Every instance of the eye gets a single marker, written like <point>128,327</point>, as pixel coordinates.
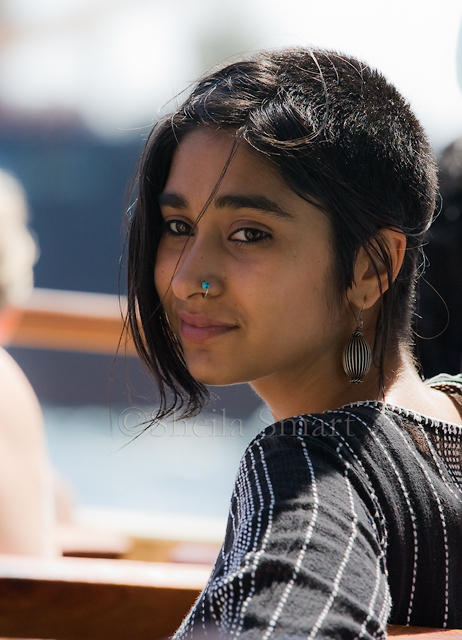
<point>251,235</point>
<point>256,235</point>
<point>166,228</point>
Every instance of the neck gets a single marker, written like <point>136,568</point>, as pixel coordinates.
<point>324,386</point>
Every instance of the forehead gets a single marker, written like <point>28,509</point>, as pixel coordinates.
<point>201,156</point>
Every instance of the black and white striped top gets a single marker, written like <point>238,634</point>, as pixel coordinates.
<point>341,522</point>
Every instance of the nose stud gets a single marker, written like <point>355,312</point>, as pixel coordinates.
<point>205,286</point>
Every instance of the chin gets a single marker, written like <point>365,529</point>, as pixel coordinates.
<point>215,378</point>
<point>214,381</point>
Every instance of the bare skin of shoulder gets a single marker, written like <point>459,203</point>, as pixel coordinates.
<point>26,502</point>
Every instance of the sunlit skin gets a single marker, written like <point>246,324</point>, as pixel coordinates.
<point>278,291</point>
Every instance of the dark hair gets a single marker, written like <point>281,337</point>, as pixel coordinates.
<point>340,135</point>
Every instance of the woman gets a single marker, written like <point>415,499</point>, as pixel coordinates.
<point>275,240</point>
<point>27,516</point>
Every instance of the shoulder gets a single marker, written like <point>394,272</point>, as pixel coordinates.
<point>352,447</point>
<point>442,379</point>
<point>300,448</point>
<point>293,475</point>
<point>20,413</point>
<point>326,430</point>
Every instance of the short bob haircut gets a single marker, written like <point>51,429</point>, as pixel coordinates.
<point>342,137</point>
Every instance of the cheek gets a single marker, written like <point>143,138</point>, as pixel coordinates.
<point>159,276</point>
<point>299,300</point>
<point>301,286</point>
<point>163,271</point>
<point>161,283</point>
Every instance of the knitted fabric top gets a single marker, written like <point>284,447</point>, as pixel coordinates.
<point>341,522</point>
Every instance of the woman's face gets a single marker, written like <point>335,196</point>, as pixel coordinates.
<point>267,255</point>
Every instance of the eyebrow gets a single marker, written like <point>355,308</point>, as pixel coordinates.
<point>231,201</point>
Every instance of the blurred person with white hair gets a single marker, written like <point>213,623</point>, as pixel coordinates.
<point>26,477</point>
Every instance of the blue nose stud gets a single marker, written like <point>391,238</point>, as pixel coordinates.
<point>205,286</point>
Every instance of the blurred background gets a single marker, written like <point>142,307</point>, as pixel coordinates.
<point>81,84</point>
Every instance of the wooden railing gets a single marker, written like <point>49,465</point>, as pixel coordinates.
<point>86,599</point>
<point>140,535</point>
<point>423,633</point>
<point>72,320</point>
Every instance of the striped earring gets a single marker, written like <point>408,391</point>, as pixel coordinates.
<point>357,355</point>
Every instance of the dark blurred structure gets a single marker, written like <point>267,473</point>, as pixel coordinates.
<point>76,185</point>
<point>444,252</point>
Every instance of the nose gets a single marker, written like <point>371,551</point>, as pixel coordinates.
<point>200,261</point>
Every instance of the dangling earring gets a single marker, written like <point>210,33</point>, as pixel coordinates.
<point>357,355</point>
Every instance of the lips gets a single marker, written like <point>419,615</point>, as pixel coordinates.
<point>197,327</point>
<point>191,333</point>
<point>199,320</point>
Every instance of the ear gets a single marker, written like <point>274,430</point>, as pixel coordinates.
<point>365,289</point>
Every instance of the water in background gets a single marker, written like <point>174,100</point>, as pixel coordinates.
<point>182,467</point>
